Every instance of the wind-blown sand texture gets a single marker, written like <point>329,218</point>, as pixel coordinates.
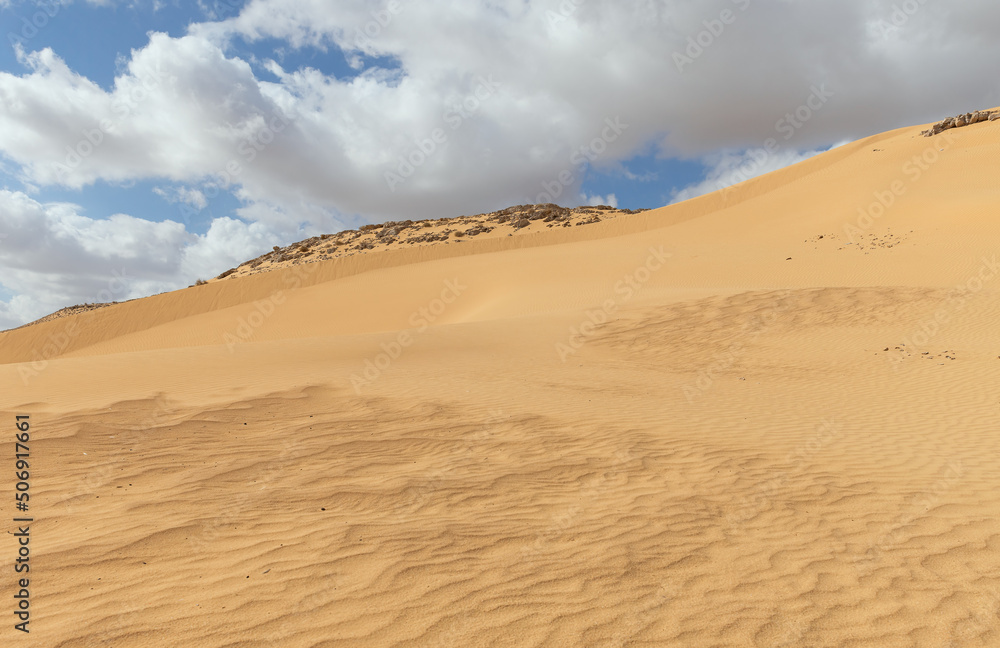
<point>766,417</point>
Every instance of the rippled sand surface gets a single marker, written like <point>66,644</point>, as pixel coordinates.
<point>768,417</point>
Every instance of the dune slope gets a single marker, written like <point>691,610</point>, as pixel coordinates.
<point>764,417</point>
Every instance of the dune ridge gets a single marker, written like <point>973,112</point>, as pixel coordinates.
<point>765,417</point>
<point>121,319</point>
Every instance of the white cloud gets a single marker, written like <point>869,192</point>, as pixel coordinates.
<point>485,102</point>
<point>182,195</point>
<point>227,243</point>
<point>52,256</point>
<point>185,110</point>
<point>611,200</point>
<point>728,168</point>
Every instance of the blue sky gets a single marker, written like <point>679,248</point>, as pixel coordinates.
<point>219,129</point>
<point>93,40</point>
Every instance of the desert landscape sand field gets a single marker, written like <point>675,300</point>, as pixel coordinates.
<point>760,418</point>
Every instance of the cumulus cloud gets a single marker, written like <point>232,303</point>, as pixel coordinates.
<point>463,107</point>
<point>485,101</point>
<point>728,168</point>
<point>52,255</point>
<point>610,200</point>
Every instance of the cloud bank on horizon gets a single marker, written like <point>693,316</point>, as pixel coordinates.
<point>234,126</point>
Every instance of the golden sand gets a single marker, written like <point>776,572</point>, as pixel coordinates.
<point>761,418</point>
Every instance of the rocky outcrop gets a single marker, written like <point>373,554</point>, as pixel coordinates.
<point>519,219</point>
<point>962,120</point>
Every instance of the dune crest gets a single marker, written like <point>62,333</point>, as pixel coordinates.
<point>764,417</point>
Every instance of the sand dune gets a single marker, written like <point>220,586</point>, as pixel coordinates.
<point>764,417</point>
